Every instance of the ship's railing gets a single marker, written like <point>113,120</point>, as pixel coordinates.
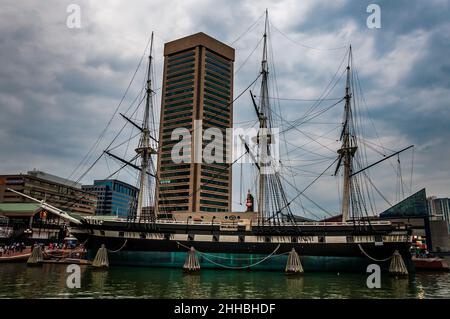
<point>101,219</point>
<point>265,223</point>
<point>184,222</point>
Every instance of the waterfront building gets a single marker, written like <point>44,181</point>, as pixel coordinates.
<point>28,222</point>
<point>439,208</point>
<point>197,85</point>
<point>61,193</point>
<point>114,197</point>
<point>425,223</point>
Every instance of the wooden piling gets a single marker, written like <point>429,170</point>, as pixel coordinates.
<point>294,265</point>
<point>36,257</point>
<point>191,265</point>
<point>397,266</point>
<point>101,259</point>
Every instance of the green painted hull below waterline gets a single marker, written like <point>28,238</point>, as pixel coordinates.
<point>242,261</point>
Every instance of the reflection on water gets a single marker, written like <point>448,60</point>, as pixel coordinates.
<point>295,284</point>
<point>49,281</point>
<point>97,280</point>
<point>400,286</point>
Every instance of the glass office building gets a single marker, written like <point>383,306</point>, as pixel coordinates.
<point>114,198</point>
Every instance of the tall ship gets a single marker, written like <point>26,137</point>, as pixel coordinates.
<point>177,212</point>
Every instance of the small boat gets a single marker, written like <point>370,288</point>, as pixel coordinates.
<point>17,257</point>
<point>430,263</point>
<point>62,253</point>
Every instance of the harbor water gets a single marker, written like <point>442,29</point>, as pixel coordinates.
<point>49,281</point>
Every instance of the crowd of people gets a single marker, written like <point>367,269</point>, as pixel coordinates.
<point>52,246</point>
<point>12,248</point>
<point>19,247</point>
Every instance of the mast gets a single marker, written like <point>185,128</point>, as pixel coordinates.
<point>272,200</point>
<point>348,149</point>
<point>144,149</point>
<point>264,104</point>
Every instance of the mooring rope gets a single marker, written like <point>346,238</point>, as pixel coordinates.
<point>233,258</point>
<point>115,251</point>
<point>235,267</point>
<point>243,258</point>
<point>374,259</point>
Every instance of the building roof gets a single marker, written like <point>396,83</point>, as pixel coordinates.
<point>54,178</point>
<point>412,206</point>
<point>98,182</point>
<point>19,209</point>
<point>199,39</point>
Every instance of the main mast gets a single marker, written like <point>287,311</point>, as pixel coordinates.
<point>263,110</point>
<point>349,147</point>
<point>144,149</point>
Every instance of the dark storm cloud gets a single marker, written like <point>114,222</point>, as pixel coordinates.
<point>59,86</point>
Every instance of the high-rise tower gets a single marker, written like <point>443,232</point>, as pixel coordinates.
<point>197,85</point>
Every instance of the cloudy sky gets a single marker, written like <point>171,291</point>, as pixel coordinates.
<point>59,86</point>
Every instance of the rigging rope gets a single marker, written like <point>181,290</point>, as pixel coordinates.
<point>412,170</point>
<point>301,193</point>
<point>248,57</point>
<point>85,158</point>
<point>248,29</point>
<point>301,100</point>
<point>98,158</point>
<point>307,46</point>
<point>294,124</point>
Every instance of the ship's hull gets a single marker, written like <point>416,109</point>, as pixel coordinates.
<point>243,250</point>
<point>242,262</point>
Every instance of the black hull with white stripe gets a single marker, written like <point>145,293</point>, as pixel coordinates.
<point>308,239</point>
